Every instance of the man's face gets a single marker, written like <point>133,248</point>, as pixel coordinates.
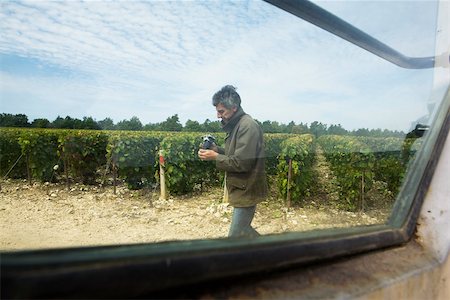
<point>225,113</point>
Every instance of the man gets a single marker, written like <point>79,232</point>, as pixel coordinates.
<point>242,160</point>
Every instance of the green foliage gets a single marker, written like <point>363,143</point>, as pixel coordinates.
<point>10,120</point>
<point>318,129</point>
<point>409,148</point>
<point>106,124</point>
<point>192,126</point>
<point>171,124</point>
<point>388,166</point>
<point>10,153</point>
<point>40,123</point>
<point>83,152</point>
<point>134,154</point>
<point>133,124</point>
<point>352,163</point>
<point>40,148</point>
<point>74,123</point>
<point>183,169</point>
<point>211,126</point>
<point>272,149</point>
<point>392,156</point>
<point>300,150</point>
<point>85,155</point>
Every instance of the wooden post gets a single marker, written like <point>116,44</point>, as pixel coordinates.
<point>114,169</point>
<point>362,191</point>
<point>225,190</point>
<point>66,172</point>
<point>108,164</point>
<point>28,169</point>
<point>288,197</point>
<point>162,176</point>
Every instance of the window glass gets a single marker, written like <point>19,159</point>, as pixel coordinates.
<point>98,99</point>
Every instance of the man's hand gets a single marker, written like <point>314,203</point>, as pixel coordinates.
<point>214,147</point>
<point>207,154</point>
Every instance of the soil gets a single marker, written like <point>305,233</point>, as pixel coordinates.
<point>47,215</point>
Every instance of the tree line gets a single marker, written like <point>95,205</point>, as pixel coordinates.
<point>173,123</point>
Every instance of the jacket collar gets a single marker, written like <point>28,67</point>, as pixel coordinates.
<point>228,127</point>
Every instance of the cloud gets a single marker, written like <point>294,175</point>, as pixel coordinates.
<point>153,59</point>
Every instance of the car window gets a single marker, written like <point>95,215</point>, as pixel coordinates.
<point>105,106</point>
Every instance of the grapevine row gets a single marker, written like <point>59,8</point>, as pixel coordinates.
<point>134,157</point>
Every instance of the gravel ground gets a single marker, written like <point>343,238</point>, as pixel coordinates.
<point>44,215</point>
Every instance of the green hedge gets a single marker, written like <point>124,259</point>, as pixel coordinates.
<point>300,150</point>
<point>88,155</point>
<point>133,155</point>
<point>272,147</point>
<point>389,165</point>
<point>352,162</point>
<point>83,153</point>
<point>184,171</point>
<point>40,150</point>
<point>12,163</point>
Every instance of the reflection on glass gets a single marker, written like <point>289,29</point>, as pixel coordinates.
<point>114,100</point>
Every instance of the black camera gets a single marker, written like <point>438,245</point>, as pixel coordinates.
<point>208,141</point>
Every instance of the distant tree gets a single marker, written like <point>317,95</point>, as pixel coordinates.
<point>361,132</point>
<point>278,127</point>
<point>394,133</point>
<point>40,123</point>
<point>57,123</point>
<point>266,126</point>
<point>133,124</point>
<point>376,132</point>
<point>67,123</point>
<point>90,123</point>
<point>211,126</point>
<point>152,127</point>
<point>172,124</point>
<point>60,122</point>
<point>192,126</point>
<point>272,127</point>
<point>300,129</point>
<point>289,127</point>
<point>318,129</point>
<point>106,124</point>
<point>10,120</point>
<point>78,124</point>
<point>337,130</point>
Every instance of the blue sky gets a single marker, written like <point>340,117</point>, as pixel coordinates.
<point>154,59</point>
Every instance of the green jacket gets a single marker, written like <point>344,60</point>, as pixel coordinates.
<point>243,161</point>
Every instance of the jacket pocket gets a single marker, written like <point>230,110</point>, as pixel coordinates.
<point>234,183</point>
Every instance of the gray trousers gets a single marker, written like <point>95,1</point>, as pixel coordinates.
<point>241,222</point>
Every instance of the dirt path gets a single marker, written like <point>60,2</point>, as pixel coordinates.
<point>50,216</point>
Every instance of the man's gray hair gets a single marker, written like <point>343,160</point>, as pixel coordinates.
<point>228,97</point>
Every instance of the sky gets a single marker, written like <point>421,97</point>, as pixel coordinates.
<point>155,59</point>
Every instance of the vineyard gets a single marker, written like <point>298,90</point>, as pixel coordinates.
<point>133,158</point>
<point>79,187</point>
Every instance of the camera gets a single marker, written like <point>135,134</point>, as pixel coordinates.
<point>208,141</point>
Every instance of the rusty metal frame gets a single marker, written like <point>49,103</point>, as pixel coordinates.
<point>144,270</point>
<point>320,17</point>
